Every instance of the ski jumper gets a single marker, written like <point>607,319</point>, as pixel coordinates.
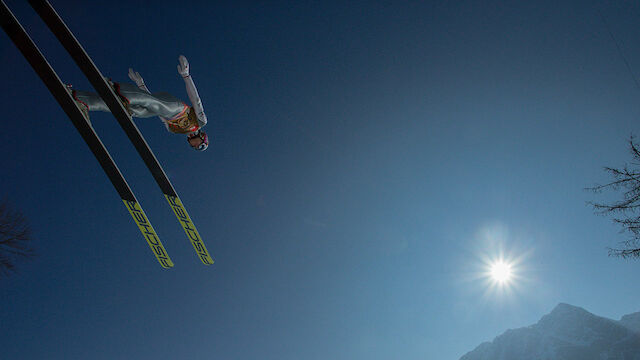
<point>178,117</point>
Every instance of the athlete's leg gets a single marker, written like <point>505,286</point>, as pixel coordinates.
<point>93,101</point>
<point>140,103</point>
<point>143,104</point>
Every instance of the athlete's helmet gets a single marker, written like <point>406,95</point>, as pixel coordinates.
<point>203,136</point>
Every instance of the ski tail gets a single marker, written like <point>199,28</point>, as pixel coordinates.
<point>189,228</point>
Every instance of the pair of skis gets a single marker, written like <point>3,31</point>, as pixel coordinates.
<point>59,90</point>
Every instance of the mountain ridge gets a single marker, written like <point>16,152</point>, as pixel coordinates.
<point>631,321</point>
<point>568,332</point>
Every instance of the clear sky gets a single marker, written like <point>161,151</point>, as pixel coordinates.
<point>367,158</point>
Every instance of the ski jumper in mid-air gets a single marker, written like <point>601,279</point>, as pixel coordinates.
<point>178,117</point>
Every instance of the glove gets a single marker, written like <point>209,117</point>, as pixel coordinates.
<point>135,77</point>
<point>183,67</point>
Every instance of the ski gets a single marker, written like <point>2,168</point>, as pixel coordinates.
<point>91,71</point>
<point>60,92</point>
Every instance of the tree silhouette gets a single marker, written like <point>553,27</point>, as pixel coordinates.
<point>625,211</point>
<point>15,236</point>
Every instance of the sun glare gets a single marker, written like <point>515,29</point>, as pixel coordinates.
<point>501,269</point>
<point>501,272</point>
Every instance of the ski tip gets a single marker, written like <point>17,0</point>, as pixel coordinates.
<point>206,259</point>
<point>166,263</point>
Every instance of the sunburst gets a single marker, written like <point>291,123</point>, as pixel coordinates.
<point>501,272</point>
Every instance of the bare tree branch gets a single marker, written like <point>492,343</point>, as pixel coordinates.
<point>15,235</point>
<point>627,181</point>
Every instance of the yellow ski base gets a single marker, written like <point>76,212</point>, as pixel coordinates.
<point>189,229</point>
<point>149,233</point>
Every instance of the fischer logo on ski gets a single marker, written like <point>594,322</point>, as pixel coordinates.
<point>149,233</point>
<point>189,229</point>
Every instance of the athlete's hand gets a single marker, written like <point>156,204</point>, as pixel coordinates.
<point>135,77</point>
<point>183,66</point>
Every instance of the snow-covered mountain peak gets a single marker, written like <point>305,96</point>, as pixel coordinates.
<point>563,309</point>
<point>563,312</point>
<point>572,324</point>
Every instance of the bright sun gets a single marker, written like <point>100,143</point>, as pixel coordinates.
<point>501,272</point>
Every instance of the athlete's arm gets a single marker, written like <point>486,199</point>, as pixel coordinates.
<point>192,92</point>
<point>137,78</point>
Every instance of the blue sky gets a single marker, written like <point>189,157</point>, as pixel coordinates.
<point>366,159</point>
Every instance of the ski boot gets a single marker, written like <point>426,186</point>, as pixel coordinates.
<point>84,108</point>
<point>123,100</point>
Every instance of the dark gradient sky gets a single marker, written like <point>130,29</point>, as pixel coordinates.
<point>366,158</point>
